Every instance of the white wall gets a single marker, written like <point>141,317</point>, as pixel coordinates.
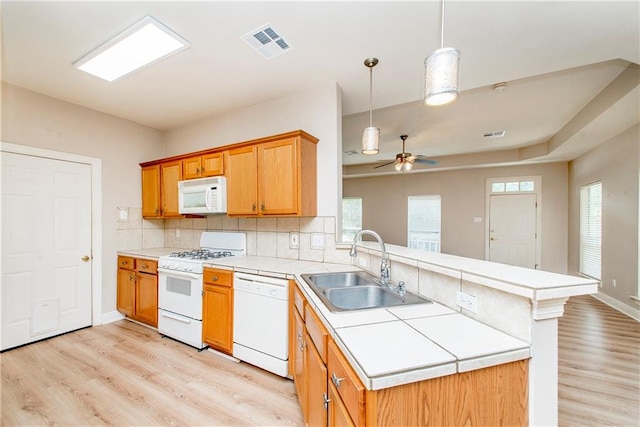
<point>462,193</point>
<point>32,119</point>
<point>615,164</point>
<point>317,111</point>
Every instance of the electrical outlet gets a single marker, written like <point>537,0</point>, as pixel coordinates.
<point>294,241</point>
<point>613,282</point>
<point>466,301</point>
<point>177,233</point>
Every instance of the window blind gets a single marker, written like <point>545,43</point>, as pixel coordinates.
<point>591,230</point>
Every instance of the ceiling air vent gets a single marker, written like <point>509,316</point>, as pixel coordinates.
<point>495,134</point>
<point>267,41</point>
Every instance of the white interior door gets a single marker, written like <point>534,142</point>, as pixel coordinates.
<point>46,248</point>
<point>512,229</point>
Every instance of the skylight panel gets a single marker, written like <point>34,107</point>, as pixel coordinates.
<point>146,42</point>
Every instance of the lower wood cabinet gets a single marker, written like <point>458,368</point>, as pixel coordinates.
<point>316,366</point>
<point>137,294</point>
<point>331,393</point>
<point>217,309</point>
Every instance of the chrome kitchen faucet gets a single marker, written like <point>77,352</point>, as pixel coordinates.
<point>385,272</point>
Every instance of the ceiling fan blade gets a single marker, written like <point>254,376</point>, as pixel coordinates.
<point>384,164</point>
<point>425,161</point>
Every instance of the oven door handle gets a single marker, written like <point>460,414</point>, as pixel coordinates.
<point>176,273</point>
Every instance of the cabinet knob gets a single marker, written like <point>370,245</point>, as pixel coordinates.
<point>335,380</point>
<point>214,278</point>
<point>262,207</point>
<point>253,208</point>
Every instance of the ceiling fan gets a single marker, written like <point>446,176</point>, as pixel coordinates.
<point>404,161</point>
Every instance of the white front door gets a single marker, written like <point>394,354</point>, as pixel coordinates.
<point>512,229</point>
<point>46,248</point>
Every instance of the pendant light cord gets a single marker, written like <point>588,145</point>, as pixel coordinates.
<point>370,96</point>
<point>442,27</point>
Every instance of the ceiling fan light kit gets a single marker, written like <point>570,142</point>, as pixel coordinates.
<point>442,73</point>
<point>404,161</point>
<point>371,134</point>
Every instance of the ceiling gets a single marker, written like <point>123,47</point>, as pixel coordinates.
<point>555,57</point>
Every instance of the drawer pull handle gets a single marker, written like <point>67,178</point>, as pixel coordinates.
<point>335,380</point>
<point>214,278</point>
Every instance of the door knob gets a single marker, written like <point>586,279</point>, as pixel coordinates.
<point>86,258</point>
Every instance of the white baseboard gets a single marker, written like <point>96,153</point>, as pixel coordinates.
<point>112,316</point>
<point>614,303</point>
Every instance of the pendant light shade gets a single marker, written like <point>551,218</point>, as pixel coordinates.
<point>441,77</point>
<point>371,134</point>
<point>370,140</point>
<point>441,73</point>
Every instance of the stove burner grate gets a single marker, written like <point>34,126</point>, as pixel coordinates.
<point>201,254</point>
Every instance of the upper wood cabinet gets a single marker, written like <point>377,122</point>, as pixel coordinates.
<point>275,178</point>
<point>171,173</point>
<point>272,176</point>
<point>202,166</point>
<point>160,190</point>
<point>151,198</point>
<point>242,180</point>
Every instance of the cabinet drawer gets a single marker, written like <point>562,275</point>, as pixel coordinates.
<point>146,266</point>
<point>213,276</point>
<point>298,301</point>
<point>347,384</point>
<point>126,262</point>
<point>316,331</point>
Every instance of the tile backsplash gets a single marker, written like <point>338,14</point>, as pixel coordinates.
<point>265,236</point>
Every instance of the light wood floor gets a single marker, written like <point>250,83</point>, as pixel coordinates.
<point>125,374</point>
<point>598,365</point>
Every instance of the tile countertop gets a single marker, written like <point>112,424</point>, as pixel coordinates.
<point>388,347</point>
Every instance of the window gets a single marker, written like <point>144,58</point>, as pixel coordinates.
<point>424,222</point>
<point>591,230</point>
<point>512,186</point>
<point>351,217</point>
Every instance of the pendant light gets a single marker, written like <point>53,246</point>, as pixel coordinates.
<point>441,74</point>
<point>371,134</point>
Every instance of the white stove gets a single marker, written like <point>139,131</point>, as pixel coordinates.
<point>180,288</point>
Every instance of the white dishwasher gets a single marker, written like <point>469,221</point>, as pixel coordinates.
<point>261,321</point>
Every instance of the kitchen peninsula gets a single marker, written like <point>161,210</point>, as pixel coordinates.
<point>519,307</point>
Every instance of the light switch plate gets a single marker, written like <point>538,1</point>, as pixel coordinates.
<point>123,214</point>
<point>294,241</point>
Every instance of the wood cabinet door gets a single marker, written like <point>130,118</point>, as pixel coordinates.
<point>298,355</point>
<point>278,177</point>
<point>191,167</point>
<point>217,317</point>
<point>171,173</point>
<point>316,382</point>
<point>337,413</point>
<point>126,291</point>
<point>147,299</point>
<point>212,164</point>
<point>151,206</point>
<point>242,181</point>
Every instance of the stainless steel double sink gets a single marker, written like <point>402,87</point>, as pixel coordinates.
<point>357,291</point>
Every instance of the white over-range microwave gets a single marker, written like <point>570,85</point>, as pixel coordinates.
<point>203,196</point>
